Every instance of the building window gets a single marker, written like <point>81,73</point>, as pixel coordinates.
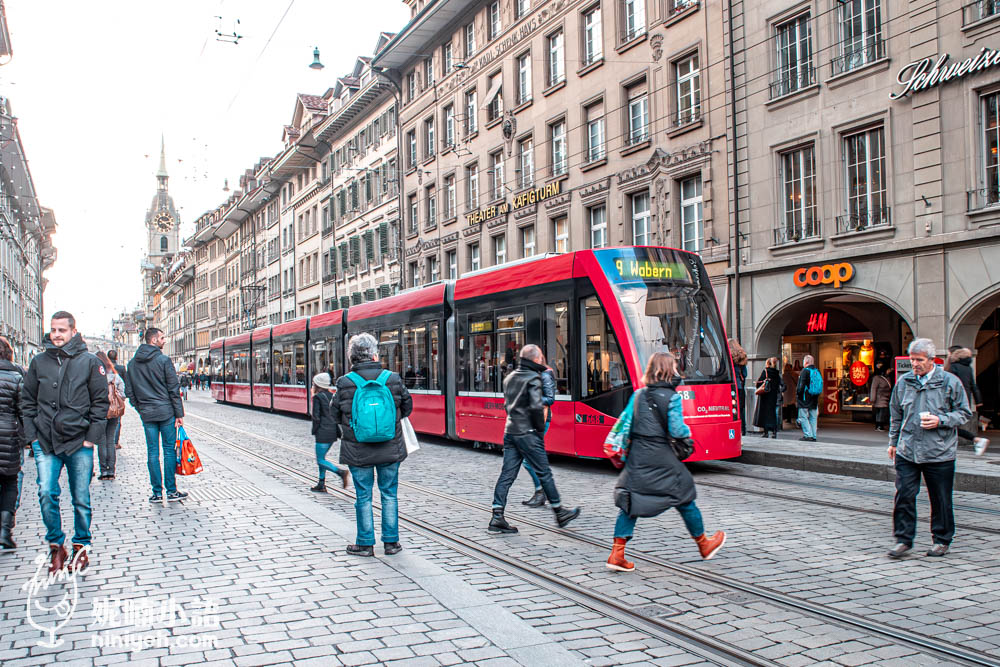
<point>446,59</point>
<point>598,226</point>
<point>524,78</point>
<point>560,234</point>
<point>411,151</point>
<point>470,113</point>
<point>428,72</point>
<point>633,19</point>
<point>493,21</point>
<point>497,182</point>
<point>595,132</point>
<point>798,177</point>
<point>528,241</point>
<point>678,6</point>
<point>449,126</point>
<point>593,45</point>
<point>521,8</point>
<point>411,206</point>
<point>411,86</point>
<point>864,156</point>
<point>470,40</point>
<point>414,274</point>
<point>472,186</point>
<point>163,244</point>
<point>429,137</point>
<point>793,40</point>
<point>692,227</point>
<point>449,197</point>
<point>474,257</point>
<point>638,114</point>
<point>557,58</point>
<point>861,40</point>
<point>494,97</point>
<point>431,197</point>
<point>989,193</point>
<point>433,269</point>
<point>499,250</point>
<point>688,90</point>
<point>451,257</point>
<point>557,141</point>
<point>526,163</point>
<point>642,234</point>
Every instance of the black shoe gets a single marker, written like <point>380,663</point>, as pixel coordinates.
<point>774,435</point>
<point>564,516</point>
<point>536,500</point>
<point>899,550</point>
<point>392,548</point>
<point>320,487</point>
<point>810,439</point>
<point>156,498</point>
<point>360,550</point>
<point>938,550</point>
<point>498,524</point>
<point>804,439</point>
<point>177,495</point>
<point>7,530</point>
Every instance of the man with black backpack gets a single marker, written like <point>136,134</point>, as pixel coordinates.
<point>368,406</point>
<point>807,394</point>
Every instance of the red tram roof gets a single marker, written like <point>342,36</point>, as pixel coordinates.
<point>431,295</point>
<point>544,270</point>
<point>260,333</point>
<point>295,326</point>
<point>332,318</point>
<point>216,344</point>
<point>238,340</point>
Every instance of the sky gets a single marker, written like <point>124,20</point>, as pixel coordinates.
<point>95,84</point>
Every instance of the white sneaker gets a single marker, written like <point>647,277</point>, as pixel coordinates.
<point>980,445</point>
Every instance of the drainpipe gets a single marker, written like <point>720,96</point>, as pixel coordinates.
<point>736,174</point>
<point>398,96</point>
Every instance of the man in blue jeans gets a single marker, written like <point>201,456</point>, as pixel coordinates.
<point>152,389</point>
<point>808,403</point>
<point>64,405</point>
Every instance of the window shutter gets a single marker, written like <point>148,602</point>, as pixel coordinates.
<point>370,245</point>
<point>383,238</point>
<point>356,299</point>
<point>355,250</point>
<point>345,301</point>
<point>345,262</point>
<point>370,294</point>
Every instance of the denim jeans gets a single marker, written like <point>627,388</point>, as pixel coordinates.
<point>118,430</point>
<point>321,449</point>
<point>518,449</point>
<point>940,479</point>
<point>388,483</point>
<point>79,469</point>
<point>106,453</point>
<point>807,420</point>
<point>534,477</point>
<point>167,432</point>
<point>625,524</point>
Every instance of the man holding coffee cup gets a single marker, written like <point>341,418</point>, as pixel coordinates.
<point>926,409</point>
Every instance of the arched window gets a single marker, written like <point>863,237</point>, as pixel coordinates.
<point>163,244</point>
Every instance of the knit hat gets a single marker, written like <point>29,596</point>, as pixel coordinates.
<point>322,380</point>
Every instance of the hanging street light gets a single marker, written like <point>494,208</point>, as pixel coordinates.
<point>316,64</point>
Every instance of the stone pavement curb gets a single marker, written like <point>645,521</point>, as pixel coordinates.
<point>507,632</point>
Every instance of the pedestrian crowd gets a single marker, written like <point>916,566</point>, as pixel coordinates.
<point>70,402</point>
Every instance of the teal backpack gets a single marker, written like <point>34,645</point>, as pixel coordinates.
<point>815,387</point>
<point>373,410</point>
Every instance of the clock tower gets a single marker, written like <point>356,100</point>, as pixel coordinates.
<point>162,221</point>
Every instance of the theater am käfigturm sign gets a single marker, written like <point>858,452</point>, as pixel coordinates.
<point>526,198</point>
<point>929,72</point>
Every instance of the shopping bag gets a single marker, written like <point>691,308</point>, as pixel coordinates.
<point>409,435</point>
<point>188,462</point>
<point>619,439</point>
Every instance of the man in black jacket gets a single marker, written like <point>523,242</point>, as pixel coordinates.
<point>523,439</point>
<point>113,356</point>
<point>153,390</point>
<point>64,404</point>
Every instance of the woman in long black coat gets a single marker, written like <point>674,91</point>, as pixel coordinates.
<point>766,413</point>
<point>11,441</point>
<point>654,479</point>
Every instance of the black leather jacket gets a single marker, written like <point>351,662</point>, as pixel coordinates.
<point>522,393</point>
<point>11,426</point>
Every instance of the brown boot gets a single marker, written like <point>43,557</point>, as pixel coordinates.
<point>709,546</point>
<point>80,561</point>
<point>617,559</point>
<point>57,554</point>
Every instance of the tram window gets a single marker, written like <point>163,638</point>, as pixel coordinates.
<point>415,356</point>
<point>261,372</point>
<point>320,356</point>
<point>462,382</point>
<point>556,337</point>
<point>511,320</point>
<point>482,370</point>
<point>510,340</point>
<point>300,364</point>
<point>388,351</point>
<point>435,351</point>
<point>283,363</point>
<point>605,369</point>
<point>215,357</point>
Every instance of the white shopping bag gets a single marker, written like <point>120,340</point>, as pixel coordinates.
<point>409,435</point>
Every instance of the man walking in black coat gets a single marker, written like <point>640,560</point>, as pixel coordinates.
<point>523,439</point>
<point>64,404</point>
<point>154,391</point>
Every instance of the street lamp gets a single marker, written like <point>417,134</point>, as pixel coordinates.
<point>316,64</point>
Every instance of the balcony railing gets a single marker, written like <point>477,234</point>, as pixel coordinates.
<point>979,10</point>
<point>788,81</point>
<point>637,136</point>
<point>856,55</point>
<point>983,198</point>
<point>859,222</point>
<point>686,116</point>
<point>797,232</point>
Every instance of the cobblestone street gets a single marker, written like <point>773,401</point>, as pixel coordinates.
<point>270,554</point>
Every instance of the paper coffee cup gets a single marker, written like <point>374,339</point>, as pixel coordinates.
<point>925,415</point>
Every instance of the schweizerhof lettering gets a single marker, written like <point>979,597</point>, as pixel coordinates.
<point>929,72</point>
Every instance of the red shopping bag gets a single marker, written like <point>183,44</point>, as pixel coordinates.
<point>188,462</point>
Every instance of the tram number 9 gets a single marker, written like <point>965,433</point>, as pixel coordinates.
<point>686,395</point>
<point>589,419</point>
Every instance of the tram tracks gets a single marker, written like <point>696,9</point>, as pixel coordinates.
<point>925,643</point>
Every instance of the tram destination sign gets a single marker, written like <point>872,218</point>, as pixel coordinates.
<point>526,198</point>
<point>647,269</point>
<point>929,72</point>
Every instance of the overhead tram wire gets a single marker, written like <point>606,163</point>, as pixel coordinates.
<point>259,55</point>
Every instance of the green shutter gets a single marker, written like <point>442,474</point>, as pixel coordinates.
<point>345,302</point>
<point>355,250</point>
<point>345,262</point>
<point>370,245</point>
<point>370,294</point>
<point>356,298</point>
<point>384,291</point>
<point>383,238</point>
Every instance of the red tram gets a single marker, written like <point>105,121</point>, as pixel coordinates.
<point>597,314</point>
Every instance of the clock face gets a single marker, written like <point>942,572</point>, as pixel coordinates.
<point>163,221</point>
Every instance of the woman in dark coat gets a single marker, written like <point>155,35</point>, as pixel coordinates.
<point>766,413</point>
<point>325,430</point>
<point>654,480</point>
<point>740,366</point>
<point>878,396</point>
<point>11,441</point>
<point>960,365</point>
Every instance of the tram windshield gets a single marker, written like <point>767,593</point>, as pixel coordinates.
<point>669,306</point>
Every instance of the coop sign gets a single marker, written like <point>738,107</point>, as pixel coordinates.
<point>929,72</point>
<point>828,274</point>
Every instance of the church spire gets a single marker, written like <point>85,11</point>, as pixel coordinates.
<point>161,174</point>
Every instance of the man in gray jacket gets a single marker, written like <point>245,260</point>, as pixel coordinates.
<point>926,409</point>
